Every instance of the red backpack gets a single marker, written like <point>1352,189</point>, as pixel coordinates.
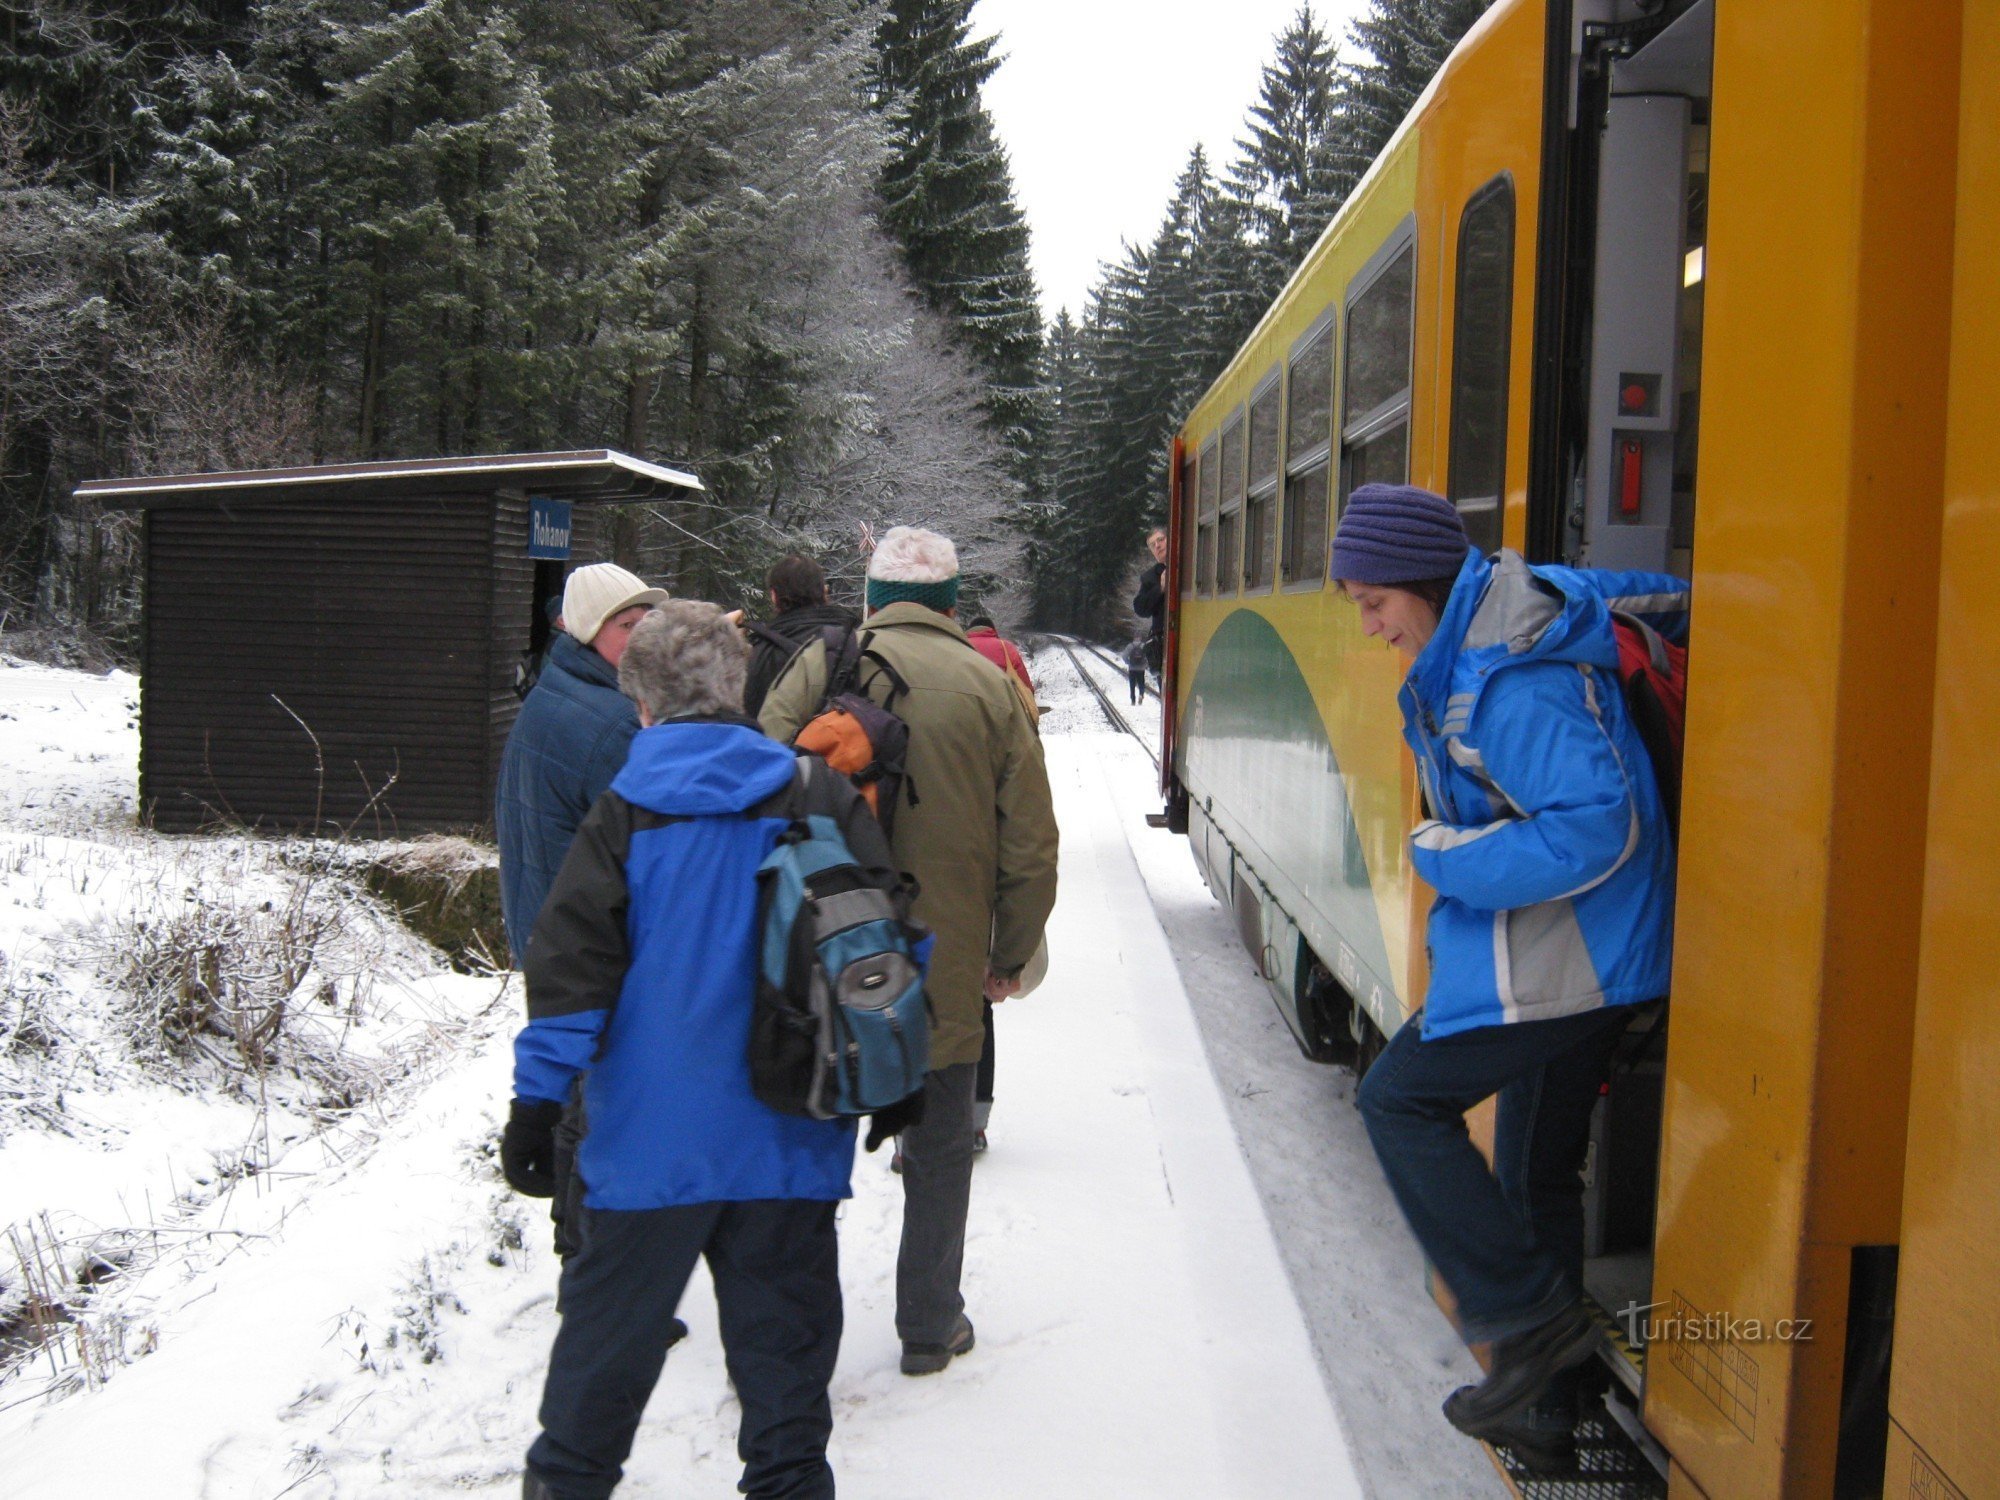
<point>1653,672</point>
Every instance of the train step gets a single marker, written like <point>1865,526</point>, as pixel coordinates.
<point>1608,1466</point>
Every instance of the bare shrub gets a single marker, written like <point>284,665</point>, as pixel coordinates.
<point>264,968</point>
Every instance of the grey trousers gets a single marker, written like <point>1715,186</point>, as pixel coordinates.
<point>937,1186</point>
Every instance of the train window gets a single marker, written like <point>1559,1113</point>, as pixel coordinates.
<point>1375,406</point>
<point>1308,440</point>
<point>1210,476</point>
<point>1383,458</point>
<point>1480,356</point>
<point>1260,510</point>
<point>1229,524</point>
<point>1190,522</point>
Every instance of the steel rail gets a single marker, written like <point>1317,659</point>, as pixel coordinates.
<point>1118,720</point>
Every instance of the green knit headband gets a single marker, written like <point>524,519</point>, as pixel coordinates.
<point>883,592</point>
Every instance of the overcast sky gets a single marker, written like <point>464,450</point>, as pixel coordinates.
<point>1100,101</point>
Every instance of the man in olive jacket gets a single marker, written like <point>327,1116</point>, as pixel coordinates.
<point>976,829</point>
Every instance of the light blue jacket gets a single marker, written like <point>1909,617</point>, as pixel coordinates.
<point>1547,846</point>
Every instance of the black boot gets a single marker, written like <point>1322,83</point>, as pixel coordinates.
<point>1542,1439</point>
<point>1523,1363</point>
<point>928,1359</point>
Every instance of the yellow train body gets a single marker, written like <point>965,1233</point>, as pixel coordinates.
<point>1846,356</point>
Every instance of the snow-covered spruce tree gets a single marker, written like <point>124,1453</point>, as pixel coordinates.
<point>422,185</point>
<point>747,311</point>
<point>1161,322</point>
<point>948,198</point>
<point>1283,177</point>
<point>86,69</point>
<point>1392,53</point>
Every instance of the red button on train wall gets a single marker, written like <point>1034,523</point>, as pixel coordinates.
<point>1629,455</point>
<point>1633,397</point>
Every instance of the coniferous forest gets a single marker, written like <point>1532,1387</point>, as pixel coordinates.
<point>772,240</point>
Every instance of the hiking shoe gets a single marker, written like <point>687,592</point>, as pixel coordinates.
<point>1542,1443</point>
<point>1523,1364</point>
<point>928,1359</point>
<point>978,1142</point>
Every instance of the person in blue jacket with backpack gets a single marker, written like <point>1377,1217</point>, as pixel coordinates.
<point>641,974</point>
<point>1546,841</point>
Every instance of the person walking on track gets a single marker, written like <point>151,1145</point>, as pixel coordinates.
<point>1134,657</point>
<point>975,827</point>
<point>641,979</point>
<point>1553,863</point>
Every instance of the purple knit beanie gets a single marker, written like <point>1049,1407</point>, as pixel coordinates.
<point>1397,533</point>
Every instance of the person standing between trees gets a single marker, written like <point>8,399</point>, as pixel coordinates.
<point>1553,863</point>
<point>1151,600</point>
<point>800,611</point>
<point>641,977</point>
<point>975,827</point>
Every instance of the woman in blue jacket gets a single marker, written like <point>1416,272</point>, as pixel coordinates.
<point>1553,866</point>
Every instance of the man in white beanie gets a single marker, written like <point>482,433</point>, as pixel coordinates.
<point>568,741</point>
<point>976,828</point>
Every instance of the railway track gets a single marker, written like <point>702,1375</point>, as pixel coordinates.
<point>1117,719</point>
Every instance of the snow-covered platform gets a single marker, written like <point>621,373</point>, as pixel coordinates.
<point>385,1332</point>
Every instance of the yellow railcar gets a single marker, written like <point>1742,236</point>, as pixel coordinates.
<point>1670,285</point>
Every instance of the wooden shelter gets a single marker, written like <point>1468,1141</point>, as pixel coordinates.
<point>339,646</point>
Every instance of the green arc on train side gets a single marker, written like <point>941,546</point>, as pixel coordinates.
<point>1260,760</point>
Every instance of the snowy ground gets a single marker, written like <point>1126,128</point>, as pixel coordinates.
<point>1387,1354</point>
<point>1183,1286</point>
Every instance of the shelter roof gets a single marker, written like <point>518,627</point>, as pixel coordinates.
<point>592,475</point>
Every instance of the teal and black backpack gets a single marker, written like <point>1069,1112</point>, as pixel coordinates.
<point>841,1024</point>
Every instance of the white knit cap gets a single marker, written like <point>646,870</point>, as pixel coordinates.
<point>596,593</point>
<point>909,554</point>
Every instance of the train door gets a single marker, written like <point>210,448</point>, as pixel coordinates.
<point>1618,391</point>
<point>1615,425</point>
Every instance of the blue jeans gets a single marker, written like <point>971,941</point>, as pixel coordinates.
<point>1508,1240</point>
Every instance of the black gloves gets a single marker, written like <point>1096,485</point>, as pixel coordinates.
<point>894,1120</point>
<point>528,1147</point>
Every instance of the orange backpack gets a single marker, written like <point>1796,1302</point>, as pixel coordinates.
<point>867,742</point>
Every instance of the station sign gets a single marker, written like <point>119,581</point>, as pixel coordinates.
<point>548,528</point>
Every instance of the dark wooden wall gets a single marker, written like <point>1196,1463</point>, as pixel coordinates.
<point>377,622</point>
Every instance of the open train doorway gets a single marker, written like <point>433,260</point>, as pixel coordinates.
<point>1616,429</point>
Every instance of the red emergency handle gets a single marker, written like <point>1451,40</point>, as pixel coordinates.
<point>1629,470</point>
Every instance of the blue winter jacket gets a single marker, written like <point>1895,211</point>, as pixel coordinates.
<point>1547,846</point>
<point>642,971</point>
<point>568,741</point>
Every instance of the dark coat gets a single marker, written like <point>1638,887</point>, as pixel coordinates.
<point>1151,600</point>
<point>979,836</point>
<point>643,970</point>
<point>568,742</point>
<point>798,628</point>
